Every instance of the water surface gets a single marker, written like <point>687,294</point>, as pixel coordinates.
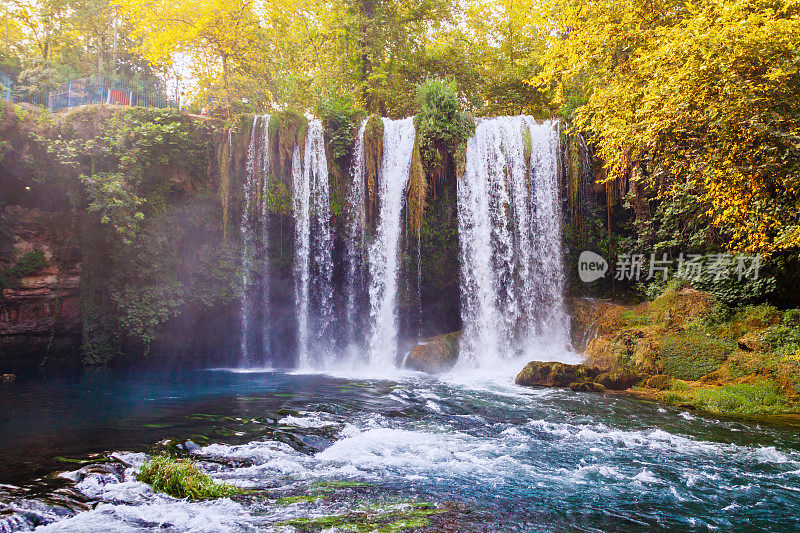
<point>499,457</point>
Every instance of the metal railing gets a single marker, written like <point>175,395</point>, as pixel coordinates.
<point>95,90</point>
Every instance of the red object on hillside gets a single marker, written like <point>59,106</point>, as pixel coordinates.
<point>117,97</point>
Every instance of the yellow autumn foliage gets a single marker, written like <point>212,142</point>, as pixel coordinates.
<point>705,91</point>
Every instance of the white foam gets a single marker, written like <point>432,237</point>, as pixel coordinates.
<point>311,420</point>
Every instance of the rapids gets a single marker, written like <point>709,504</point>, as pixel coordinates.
<point>482,454</point>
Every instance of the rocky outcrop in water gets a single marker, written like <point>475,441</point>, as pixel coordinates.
<point>435,355</point>
<point>553,374</point>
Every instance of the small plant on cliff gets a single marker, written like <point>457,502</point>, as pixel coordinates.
<point>442,125</point>
<point>29,263</point>
<point>340,119</point>
<point>182,478</point>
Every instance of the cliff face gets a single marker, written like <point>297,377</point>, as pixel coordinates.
<point>119,236</point>
<point>39,311</point>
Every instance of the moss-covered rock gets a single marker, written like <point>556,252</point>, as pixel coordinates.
<point>553,374</point>
<point>436,354</point>
<point>659,382</point>
<point>373,154</point>
<point>619,379</point>
<point>587,386</point>
<point>676,307</point>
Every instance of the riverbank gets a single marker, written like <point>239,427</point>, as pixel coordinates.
<point>687,349</point>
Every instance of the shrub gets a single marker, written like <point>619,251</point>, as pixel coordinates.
<point>441,124</point>
<point>182,478</point>
<point>340,120</point>
<point>29,263</point>
<point>781,339</point>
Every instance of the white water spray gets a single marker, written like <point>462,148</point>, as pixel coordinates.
<point>355,243</point>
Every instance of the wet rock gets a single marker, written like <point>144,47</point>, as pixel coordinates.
<point>587,386</point>
<point>618,379</point>
<point>436,354</point>
<point>112,472</point>
<point>553,374</point>
<point>659,381</point>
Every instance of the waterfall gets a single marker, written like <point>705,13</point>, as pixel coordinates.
<point>255,268</point>
<point>509,233</point>
<point>313,261</point>
<point>384,252</point>
<point>355,244</point>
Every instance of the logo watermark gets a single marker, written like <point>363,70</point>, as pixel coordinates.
<point>691,267</point>
<point>591,266</point>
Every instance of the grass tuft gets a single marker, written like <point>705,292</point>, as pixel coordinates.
<point>182,478</point>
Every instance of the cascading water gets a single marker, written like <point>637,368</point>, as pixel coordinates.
<point>313,248</point>
<point>551,319</point>
<point>384,253</point>
<point>255,268</point>
<point>508,222</point>
<point>355,244</point>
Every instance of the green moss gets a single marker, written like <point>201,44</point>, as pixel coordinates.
<point>386,517</point>
<point>278,197</point>
<point>416,191</point>
<point>182,478</point>
<point>286,129</point>
<point>631,317</point>
<point>303,498</point>
<point>373,152</point>
<point>691,356</point>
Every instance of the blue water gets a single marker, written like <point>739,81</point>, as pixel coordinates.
<point>497,456</point>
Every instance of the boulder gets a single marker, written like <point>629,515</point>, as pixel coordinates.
<point>435,355</point>
<point>587,386</point>
<point>618,379</point>
<point>553,374</point>
<point>659,381</point>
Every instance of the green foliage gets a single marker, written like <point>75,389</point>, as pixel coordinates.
<point>691,356</point>
<point>760,397</point>
<point>278,198</point>
<point>110,196</point>
<point>782,339</point>
<point>441,123</point>
<point>29,263</point>
<point>340,119</point>
<point>182,478</point>
<point>40,79</point>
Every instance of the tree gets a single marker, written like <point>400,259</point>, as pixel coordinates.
<point>700,92</point>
